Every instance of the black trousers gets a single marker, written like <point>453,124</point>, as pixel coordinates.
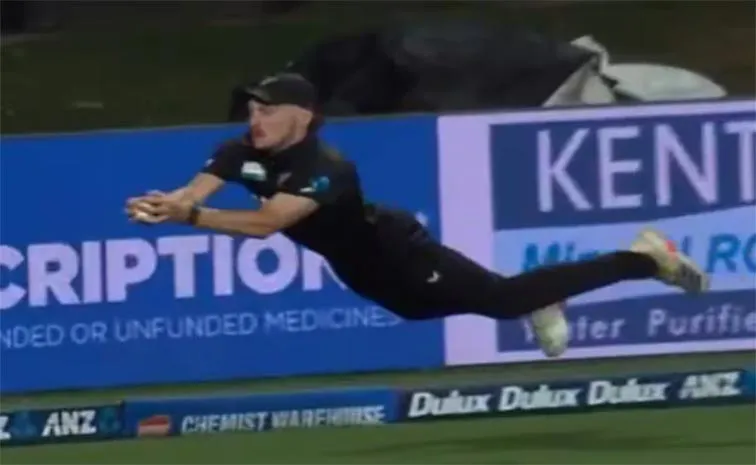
<point>418,278</point>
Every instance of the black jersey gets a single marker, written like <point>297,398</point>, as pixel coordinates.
<point>341,227</point>
<point>382,254</point>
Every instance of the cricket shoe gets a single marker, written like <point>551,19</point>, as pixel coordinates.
<point>675,268</point>
<point>551,330</point>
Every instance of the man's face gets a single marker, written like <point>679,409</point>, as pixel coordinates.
<point>271,125</point>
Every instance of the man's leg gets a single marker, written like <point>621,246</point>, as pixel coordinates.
<point>453,284</point>
<point>472,289</point>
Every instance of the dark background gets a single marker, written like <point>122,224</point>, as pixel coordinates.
<point>84,65</point>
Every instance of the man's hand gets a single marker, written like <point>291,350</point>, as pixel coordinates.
<point>174,208</point>
<point>143,210</point>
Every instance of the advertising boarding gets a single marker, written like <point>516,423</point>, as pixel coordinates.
<point>522,190</point>
<point>88,299</point>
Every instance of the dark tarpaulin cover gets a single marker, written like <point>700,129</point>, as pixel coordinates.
<point>454,65</point>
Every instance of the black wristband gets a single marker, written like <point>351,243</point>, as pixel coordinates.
<point>193,214</point>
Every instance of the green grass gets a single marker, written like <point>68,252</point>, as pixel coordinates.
<point>131,74</point>
<point>723,435</point>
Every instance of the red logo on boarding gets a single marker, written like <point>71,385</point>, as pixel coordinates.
<point>156,425</point>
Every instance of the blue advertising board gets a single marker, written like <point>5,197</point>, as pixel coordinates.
<point>90,300</point>
<point>661,390</point>
<point>62,424</point>
<point>259,412</point>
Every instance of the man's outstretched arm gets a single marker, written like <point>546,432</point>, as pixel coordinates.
<point>278,213</point>
<point>194,193</point>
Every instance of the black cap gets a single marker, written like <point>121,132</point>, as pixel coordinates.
<point>284,89</point>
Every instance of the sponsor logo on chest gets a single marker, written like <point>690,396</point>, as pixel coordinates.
<point>253,171</point>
